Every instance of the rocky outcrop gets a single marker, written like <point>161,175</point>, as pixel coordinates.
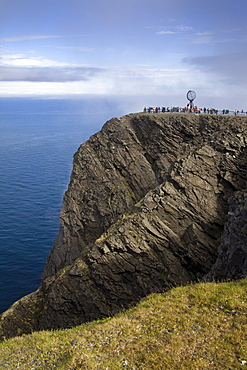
<point>152,198</point>
<point>232,254</point>
<point>112,171</point>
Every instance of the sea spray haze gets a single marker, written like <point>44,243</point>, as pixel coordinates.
<point>38,140</point>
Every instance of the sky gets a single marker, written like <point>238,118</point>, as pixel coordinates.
<point>150,52</point>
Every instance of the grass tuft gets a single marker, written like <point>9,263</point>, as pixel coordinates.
<point>202,326</point>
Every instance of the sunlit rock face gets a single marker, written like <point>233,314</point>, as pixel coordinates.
<point>154,201</point>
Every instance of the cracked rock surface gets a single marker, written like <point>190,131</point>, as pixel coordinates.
<point>154,201</point>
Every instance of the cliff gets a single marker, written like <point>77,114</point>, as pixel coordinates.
<point>154,201</point>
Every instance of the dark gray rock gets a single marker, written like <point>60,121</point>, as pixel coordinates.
<point>232,254</point>
<point>146,209</point>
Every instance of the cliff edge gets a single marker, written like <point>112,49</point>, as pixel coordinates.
<point>154,201</point>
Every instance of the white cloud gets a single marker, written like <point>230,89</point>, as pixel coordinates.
<point>48,74</point>
<point>131,81</point>
<point>28,38</point>
<point>205,33</point>
<point>21,60</point>
<point>76,48</point>
<point>40,77</point>
<point>184,28</point>
<point>18,67</point>
<point>165,32</point>
<point>146,85</point>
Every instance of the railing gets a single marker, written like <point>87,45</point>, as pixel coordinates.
<point>194,110</point>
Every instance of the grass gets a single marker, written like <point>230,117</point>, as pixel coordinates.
<point>202,326</point>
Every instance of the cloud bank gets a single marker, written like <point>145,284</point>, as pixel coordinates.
<point>227,67</point>
<point>48,74</point>
<point>212,77</point>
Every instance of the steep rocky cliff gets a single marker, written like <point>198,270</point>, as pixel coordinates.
<point>154,200</point>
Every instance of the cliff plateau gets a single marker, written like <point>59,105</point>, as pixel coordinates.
<point>154,201</point>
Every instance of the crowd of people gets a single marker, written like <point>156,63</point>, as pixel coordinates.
<point>192,109</point>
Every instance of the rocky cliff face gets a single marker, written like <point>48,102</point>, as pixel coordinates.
<point>231,262</point>
<point>154,200</point>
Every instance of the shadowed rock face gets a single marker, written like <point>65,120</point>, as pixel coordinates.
<point>232,254</point>
<point>146,209</point>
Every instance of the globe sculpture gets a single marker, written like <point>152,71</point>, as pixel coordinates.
<point>191,95</point>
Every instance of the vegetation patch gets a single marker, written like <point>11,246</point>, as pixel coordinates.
<point>202,326</point>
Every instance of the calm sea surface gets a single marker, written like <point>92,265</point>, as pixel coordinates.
<point>37,141</point>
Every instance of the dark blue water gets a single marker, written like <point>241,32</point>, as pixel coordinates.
<point>37,141</point>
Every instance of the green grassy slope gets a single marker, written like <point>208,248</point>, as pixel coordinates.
<point>202,326</point>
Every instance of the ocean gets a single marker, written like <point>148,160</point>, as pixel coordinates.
<point>38,140</point>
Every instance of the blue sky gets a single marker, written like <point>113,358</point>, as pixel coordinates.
<point>148,51</point>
